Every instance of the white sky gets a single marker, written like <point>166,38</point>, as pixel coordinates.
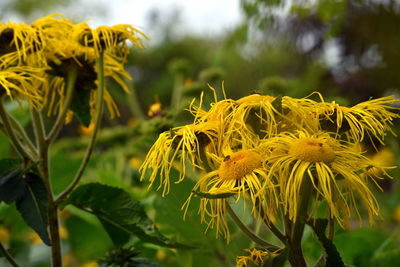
<point>200,16</point>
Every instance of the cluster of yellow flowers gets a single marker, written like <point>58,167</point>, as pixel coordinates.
<point>36,60</point>
<point>268,150</point>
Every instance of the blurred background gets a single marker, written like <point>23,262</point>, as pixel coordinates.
<point>346,49</point>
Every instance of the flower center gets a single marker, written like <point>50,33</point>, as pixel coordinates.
<point>312,150</point>
<point>237,165</point>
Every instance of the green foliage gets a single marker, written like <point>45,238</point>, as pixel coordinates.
<point>87,238</point>
<point>28,191</point>
<point>119,214</point>
<point>332,255</point>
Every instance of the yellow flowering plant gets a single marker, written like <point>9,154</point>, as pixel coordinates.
<point>291,161</point>
<point>58,68</point>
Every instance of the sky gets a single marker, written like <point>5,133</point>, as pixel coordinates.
<point>199,16</point>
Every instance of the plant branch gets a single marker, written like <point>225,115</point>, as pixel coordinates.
<point>10,132</point>
<point>24,136</point>
<point>269,223</point>
<point>97,123</point>
<point>247,231</point>
<point>8,256</point>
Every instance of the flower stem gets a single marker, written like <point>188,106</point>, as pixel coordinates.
<point>296,256</point>
<point>97,123</point>
<point>43,166</point>
<point>8,256</point>
<point>247,231</point>
<point>11,133</point>
<point>23,135</point>
<point>71,79</point>
<point>269,223</point>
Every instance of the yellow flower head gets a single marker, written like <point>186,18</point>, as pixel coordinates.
<point>372,118</point>
<point>23,83</point>
<point>240,173</point>
<point>106,37</point>
<point>333,169</point>
<point>255,258</point>
<point>77,46</point>
<point>17,41</point>
<point>181,143</point>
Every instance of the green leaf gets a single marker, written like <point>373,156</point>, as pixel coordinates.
<point>332,254</point>
<point>7,164</point>
<point>80,105</point>
<point>213,196</point>
<point>33,205</point>
<point>12,186</point>
<point>119,214</point>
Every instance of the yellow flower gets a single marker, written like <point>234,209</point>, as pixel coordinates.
<point>372,118</point>
<point>240,173</point>
<point>135,163</point>
<point>17,41</point>
<point>183,143</point>
<point>68,45</point>
<point>23,83</point>
<point>106,37</point>
<point>256,258</point>
<point>155,109</point>
<point>335,171</point>
<point>381,160</point>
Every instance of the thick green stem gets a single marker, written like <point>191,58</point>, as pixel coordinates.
<point>97,122</point>
<point>71,79</point>
<point>8,256</point>
<point>247,231</point>
<point>296,256</point>
<point>11,133</point>
<point>45,174</point>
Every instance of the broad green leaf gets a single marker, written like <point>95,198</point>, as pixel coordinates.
<point>213,196</point>
<point>80,105</point>
<point>87,239</point>
<point>33,205</point>
<point>332,254</point>
<point>12,186</point>
<point>119,214</point>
